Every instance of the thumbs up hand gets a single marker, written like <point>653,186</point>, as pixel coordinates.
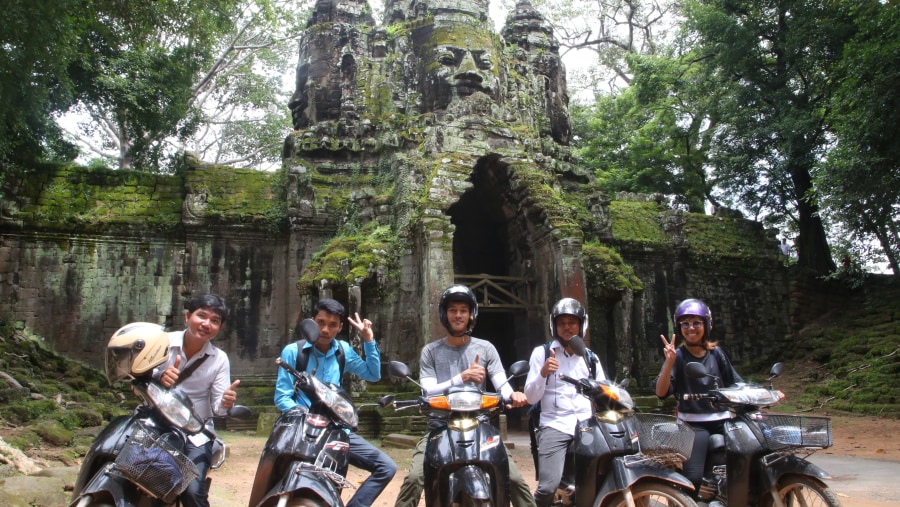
<point>550,365</point>
<point>474,373</point>
<point>229,396</point>
<point>170,376</point>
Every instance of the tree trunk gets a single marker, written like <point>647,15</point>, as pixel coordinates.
<point>813,252</point>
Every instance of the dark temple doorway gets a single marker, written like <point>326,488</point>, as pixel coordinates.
<point>488,255</point>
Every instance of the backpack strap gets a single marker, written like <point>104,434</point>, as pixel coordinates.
<point>303,357</point>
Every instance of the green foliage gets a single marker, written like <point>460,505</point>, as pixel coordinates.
<point>774,65</point>
<point>648,139</point>
<point>858,184</point>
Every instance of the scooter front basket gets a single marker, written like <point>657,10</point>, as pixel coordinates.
<point>664,437</point>
<point>155,465</point>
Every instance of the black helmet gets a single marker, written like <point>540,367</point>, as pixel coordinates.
<point>568,306</point>
<point>458,293</point>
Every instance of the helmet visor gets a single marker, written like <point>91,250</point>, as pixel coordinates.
<point>118,363</point>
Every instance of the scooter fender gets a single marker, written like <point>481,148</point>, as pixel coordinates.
<point>791,464</point>
<point>112,488</point>
<point>623,475</point>
<point>103,450</point>
<point>303,483</point>
<point>471,480</point>
<point>471,461</point>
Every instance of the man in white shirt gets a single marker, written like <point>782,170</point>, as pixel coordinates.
<point>203,372</point>
<point>561,405</point>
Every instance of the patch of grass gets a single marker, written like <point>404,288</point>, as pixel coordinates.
<point>858,348</point>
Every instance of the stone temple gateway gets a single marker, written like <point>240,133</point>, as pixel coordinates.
<point>438,123</point>
<point>426,150</point>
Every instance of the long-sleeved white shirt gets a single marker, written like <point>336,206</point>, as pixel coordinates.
<point>206,385</point>
<point>561,405</point>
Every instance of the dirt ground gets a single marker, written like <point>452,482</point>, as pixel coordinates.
<point>866,437</point>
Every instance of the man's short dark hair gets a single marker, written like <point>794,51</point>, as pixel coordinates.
<point>331,306</point>
<point>214,302</point>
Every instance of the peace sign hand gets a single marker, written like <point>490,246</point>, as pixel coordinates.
<point>364,326</point>
<point>669,349</point>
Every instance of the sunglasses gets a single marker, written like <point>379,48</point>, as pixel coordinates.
<point>688,325</point>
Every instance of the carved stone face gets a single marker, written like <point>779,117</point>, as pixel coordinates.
<point>458,62</point>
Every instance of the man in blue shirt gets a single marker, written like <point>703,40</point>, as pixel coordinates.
<point>323,361</point>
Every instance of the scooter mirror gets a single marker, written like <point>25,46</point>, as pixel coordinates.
<point>240,412</point>
<point>576,343</point>
<point>625,383</point>
<point>695,370</point>
<point>777,370</point>
<point>518,369</point>
<point>309,331</point>
<point>386,400</point>
<point>398,370</point>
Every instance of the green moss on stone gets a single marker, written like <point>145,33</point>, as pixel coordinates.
<point>606,270</point>
<point>638,222</point>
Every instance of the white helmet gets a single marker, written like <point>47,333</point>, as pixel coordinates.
<point>135,349</point>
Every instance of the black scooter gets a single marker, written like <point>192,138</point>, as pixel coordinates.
<point>465,460</point>
<point>138,459</point>
<point>305,460</point>
<point>620,458</point>
<point>756,461</point>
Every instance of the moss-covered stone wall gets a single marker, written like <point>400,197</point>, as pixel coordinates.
<point>84,251</point>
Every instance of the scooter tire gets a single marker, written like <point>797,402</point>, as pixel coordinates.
<point>306,502</point>
<point>810,491</point>
<point>472,502</point>
<point>653,494</point>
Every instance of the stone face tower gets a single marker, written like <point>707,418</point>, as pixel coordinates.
<point>428,151</point>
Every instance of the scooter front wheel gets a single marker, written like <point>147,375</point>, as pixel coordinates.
<point>653,495</point>
<point>802,490</point>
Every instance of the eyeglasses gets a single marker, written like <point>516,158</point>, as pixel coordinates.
<point>688,325</point>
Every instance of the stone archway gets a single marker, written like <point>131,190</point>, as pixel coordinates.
<point>494,253</point>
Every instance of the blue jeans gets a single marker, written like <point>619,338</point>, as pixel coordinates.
<point>372,459</point>
<point>196,494</point>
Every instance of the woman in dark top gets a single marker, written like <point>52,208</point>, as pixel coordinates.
<point>693,320</point>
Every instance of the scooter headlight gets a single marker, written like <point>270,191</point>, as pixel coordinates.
<point>752,396</point>
<point>464,401</point>
<point>341,406</point>
<point>175,406</point>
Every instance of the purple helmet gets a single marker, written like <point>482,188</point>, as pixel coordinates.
<point>458,293</point>
<point>568,306</point>
<point>696,308</point>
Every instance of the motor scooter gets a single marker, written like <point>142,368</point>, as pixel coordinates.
<point>306,458</point>
<point>466,462</point>
<point>761,458</point>
<point>619,458</point>
<point>138,460</point>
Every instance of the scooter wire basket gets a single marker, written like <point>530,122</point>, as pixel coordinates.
<point>663,438</point>
<point>155,465</point>
<point>786,431</point>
